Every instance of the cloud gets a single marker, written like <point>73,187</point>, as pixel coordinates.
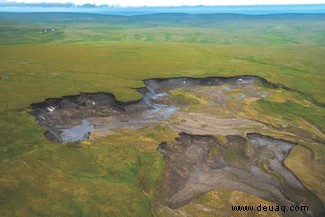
<point>126,3</point>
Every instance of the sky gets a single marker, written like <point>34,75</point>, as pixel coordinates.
<point>137,3</point>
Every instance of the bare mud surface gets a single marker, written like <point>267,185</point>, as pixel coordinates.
<point>196,164</point>
<point>201,110</point>
<point>73,118</point>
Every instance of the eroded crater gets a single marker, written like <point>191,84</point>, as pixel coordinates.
<point>73,118</point>
<point>196,164</point>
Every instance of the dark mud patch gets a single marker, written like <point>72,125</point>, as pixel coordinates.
<point>196,164</point>
<point>72,118</point>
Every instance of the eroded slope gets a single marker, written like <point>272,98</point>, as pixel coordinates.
<point>223,144</point>
<point>253,164</point>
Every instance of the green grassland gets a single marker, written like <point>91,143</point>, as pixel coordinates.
<point>203,29</point>
<point>117,175</point>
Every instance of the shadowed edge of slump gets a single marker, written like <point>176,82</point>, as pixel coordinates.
<point>213,80</point>
<point>72,110</point>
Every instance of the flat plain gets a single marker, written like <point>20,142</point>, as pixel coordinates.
<point>120,174</point>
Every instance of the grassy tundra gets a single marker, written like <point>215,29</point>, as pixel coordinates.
<point>118,175</point>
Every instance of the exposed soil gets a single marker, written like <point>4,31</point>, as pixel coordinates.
<point>202,109</point>
<point>196,164</point>
<point>73,118</point>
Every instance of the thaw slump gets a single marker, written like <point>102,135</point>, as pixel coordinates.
<point>68,117</point>
<point>196,164</point>
<point>73,118</point>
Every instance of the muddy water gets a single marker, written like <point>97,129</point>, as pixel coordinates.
<point>73,118</point>
<point>75,133</point>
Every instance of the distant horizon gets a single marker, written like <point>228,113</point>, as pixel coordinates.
<point>70,4</point>
<point>130,11</point>
<point>118,6</point>
<point>159,3</point>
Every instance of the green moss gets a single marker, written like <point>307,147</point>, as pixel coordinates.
<point>213,151</point>
<point>186,97</point>
<point>291,111</point>
<point>152,168</point>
